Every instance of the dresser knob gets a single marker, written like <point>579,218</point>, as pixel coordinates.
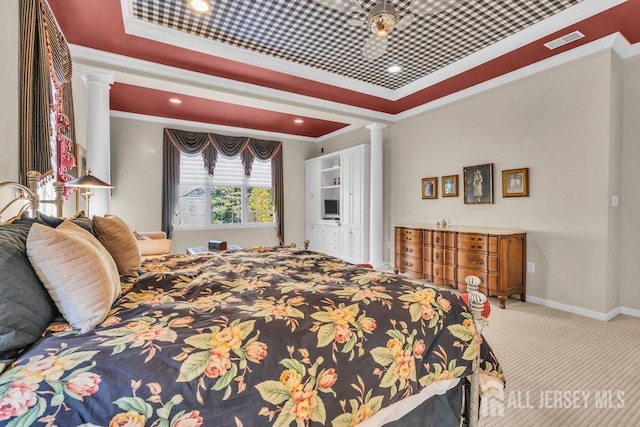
<point>437,271</point>
<point>437,239</point>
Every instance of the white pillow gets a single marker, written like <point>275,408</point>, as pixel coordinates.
<point>77,271</point>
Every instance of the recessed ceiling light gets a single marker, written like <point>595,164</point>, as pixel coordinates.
<point>175,101</point>
<point>394,69</point>
<point>200,5</point>
<point>298,121</point>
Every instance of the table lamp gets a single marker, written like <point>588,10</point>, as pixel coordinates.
<point>88,182</point>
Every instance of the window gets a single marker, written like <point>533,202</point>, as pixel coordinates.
<point>228,199</point>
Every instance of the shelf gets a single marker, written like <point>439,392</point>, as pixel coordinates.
<point>332,169</point>
<point>326,187</point>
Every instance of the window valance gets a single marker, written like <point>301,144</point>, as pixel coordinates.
<point>209,145</point>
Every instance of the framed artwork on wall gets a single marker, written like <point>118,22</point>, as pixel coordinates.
<point>450,186</point>
<point>81,169</point>
<point>515,182</point>
<point>430,188</point>
<point>478,184</point>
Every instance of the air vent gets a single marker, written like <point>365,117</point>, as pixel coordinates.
<point>561,41</point>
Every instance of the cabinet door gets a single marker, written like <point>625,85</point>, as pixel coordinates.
<point>312,207</point>
<point>352,188</point>
<point>351,244</point>
<point>313,236</point>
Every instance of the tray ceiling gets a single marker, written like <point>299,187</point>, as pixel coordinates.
<point>261,64</point>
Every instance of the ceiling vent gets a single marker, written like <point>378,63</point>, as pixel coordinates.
<point>561,41</point>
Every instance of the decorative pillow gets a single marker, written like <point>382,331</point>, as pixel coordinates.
<point>80,275</point>
<point>25,306</point>
<point>78,219</point>
<point>119,240</point>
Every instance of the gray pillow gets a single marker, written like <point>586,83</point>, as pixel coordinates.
<point>25,305</point>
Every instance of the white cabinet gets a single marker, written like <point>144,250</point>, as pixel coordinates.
<point>341,180</point>
<point>312,192</point>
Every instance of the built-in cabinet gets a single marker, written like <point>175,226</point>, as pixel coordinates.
<point>447,256</point>
<point>337,203</point>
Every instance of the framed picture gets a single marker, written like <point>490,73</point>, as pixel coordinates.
<point>430,188</point>
<point>81,169</point>
<point>478,184</point>
<point>450,186</point>
<point>515,182</point>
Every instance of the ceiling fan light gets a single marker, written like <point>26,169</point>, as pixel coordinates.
<point>382,19</point>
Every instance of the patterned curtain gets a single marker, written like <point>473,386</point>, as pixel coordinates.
<point>209,144</point>
<point>45,70</point>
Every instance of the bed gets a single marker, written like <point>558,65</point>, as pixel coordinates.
<point>265,336</point>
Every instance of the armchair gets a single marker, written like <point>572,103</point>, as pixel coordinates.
<point>154,243</point>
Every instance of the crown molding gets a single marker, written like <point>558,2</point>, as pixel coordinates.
<point>139,28</point>
<point>210,127</point>
<point>163,77</point>
<point>572,15</point>
<point>598,45</point>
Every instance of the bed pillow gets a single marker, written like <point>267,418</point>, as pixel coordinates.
<point>119,240</point>
<point>79,274</point>
<point>25,306</point>
<point>78,219</point>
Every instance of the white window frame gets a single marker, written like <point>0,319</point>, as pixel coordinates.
<point>208,183</point>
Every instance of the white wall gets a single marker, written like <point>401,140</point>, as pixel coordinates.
<point>630,197</point>
<point>9,92</point>
<point>136,173</point>
<point>564,124</point>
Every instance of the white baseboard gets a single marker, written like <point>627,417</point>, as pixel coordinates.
<point>583,311</point>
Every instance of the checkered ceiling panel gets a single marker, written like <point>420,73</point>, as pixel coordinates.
<point>316,32</point>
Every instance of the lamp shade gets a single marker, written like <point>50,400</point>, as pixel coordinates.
<point>88,181</point>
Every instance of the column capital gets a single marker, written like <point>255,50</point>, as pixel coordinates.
<point>376,127</point>
<point>98,75</point>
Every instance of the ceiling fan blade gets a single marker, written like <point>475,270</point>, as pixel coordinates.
<point>433,7</point>
<point>374,48</point>
<point>354,22</point>
<point>405,21</point>
<point>340,5</point>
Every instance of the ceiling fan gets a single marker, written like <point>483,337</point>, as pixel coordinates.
<point>383,18</point>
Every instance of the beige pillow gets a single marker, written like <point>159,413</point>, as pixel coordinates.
<point>79,274</point>
<point>119,240</point>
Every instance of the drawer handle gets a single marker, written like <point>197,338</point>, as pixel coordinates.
<point>475,261</point>
<point>408,264</point>
<point>437,271</point>
<point>437,239</point>
<point>437,256</point>
<point>408,250</point>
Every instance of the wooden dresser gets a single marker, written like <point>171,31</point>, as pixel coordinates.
<point>445,256</point>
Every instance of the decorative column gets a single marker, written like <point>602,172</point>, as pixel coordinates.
<point>98,84</point>
<point>376,227</point>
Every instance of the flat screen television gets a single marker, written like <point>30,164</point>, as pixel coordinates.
<point>331,209</point>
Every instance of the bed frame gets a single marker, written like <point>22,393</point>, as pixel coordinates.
<point>26,199</point>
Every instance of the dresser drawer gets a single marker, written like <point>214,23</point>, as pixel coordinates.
<point>438,274</point>
<point>412,264</point>
<point>438,238</point>
<point>427,253</point>
<point>412,235</point>
<point>329,231</point>
<point>488,285</point>
<point>450,256</point>
<point>473,242</point>
<point>427,270</point>
<point>473,260</point>
<point>438,255</point>
<point>412,250</point>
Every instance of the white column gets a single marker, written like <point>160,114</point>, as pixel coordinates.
<point>98,84</point>
<point>376,227</point>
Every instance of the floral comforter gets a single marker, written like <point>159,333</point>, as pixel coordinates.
<point>267,336</point>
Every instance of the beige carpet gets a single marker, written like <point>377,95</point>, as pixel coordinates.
<point>563,369</point>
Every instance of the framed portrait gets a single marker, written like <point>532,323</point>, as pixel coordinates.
<point>81,169</point>
<point>450,186</point>
<point>430,188</point>
<point>515,182</point>
<point>478,184</point>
